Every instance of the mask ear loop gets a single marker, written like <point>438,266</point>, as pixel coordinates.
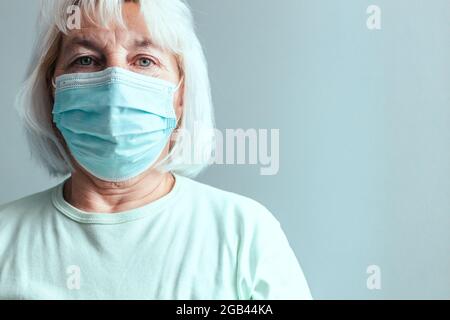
<point>53,83</point>
<point>177,124</point>
<point>175,90</point>
<point>179,84</point>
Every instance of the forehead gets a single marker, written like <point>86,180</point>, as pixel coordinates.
<point>130,26</point>
<point>104,38</point>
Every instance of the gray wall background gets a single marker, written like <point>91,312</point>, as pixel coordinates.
<point>364,123</point>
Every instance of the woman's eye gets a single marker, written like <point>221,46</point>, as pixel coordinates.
<point>145,62</point>
<point>84,61</point>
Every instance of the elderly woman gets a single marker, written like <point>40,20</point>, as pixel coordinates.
<point>112,102</point>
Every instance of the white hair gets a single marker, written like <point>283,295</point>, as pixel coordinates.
<point>171,26</point>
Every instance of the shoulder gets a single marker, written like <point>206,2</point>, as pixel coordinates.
<point>26,205</point>
<point>233,207</point>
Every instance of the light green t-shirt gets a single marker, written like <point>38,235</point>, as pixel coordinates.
<point>196,242</point>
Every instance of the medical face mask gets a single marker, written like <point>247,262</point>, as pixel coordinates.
<point>115,122</point>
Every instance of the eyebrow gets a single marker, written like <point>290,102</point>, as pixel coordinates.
<point>90,44</point>
<point>144,43</point>
<point>84,42</point>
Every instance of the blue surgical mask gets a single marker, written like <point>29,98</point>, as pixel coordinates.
<point>115,122</point>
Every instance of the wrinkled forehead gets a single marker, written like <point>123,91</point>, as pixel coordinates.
<point>76,14</point>
<point>106,41</point>
<point>96,20</point>
<point>109,22</point>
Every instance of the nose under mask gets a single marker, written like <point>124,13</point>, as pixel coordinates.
<point>115,122</point>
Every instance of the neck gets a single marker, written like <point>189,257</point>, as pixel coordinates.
<point>90,194</point>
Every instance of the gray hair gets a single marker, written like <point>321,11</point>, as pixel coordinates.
<point>171,26</point>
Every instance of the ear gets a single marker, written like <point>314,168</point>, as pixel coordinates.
<point>51,85</point>
<point>53,89</point>
<point>179,99</point>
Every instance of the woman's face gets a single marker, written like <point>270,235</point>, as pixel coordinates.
<point>92,49</point>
